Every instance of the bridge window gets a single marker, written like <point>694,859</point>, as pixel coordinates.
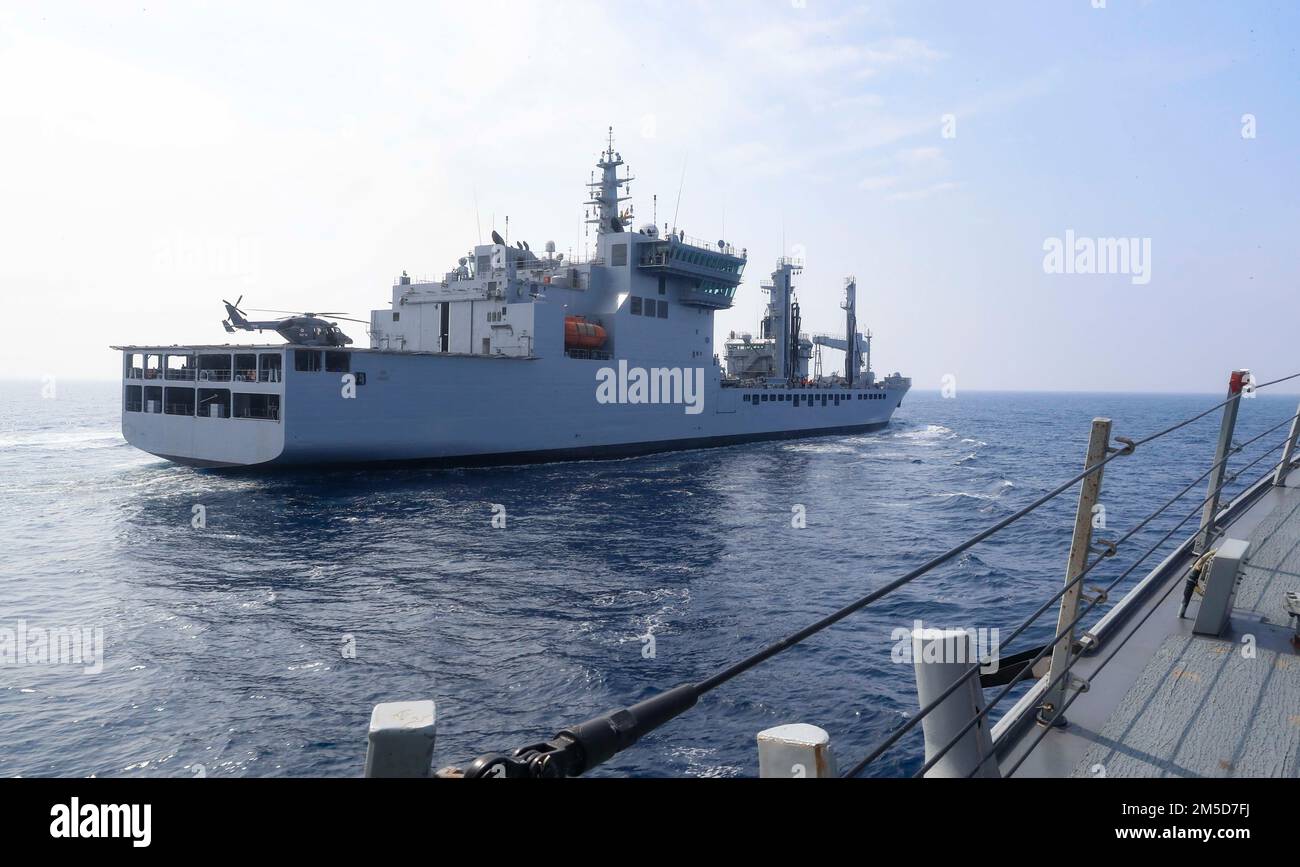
<point>214,402</point>
<point>178,401</point>
<point>306,360</point>
<point>134,398</point>
<point>258,406</point>
<point>338,362</point>
<point>134,365</point>
<point>618,254</point>
<point>636,306</point>
<point>153,366</point>
<point>153,398</point>
<point>663,309</point>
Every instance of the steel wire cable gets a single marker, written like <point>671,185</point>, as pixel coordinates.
<point>1201,415</point>
<point>793,639</point>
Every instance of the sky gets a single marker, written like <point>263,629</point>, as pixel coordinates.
<point>160,158</point>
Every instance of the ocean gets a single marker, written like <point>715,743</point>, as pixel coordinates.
<point>257,643</point>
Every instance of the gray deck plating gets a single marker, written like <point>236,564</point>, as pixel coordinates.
<point>1170,703</point>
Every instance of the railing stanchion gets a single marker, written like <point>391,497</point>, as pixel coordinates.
<point>1285,467</point>
<point>1226,427</point>
<point>795,751</point>
<point>940,657</point>
<point>1098,442</point>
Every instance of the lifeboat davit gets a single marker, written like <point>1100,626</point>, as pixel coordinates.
<point>581,334</point>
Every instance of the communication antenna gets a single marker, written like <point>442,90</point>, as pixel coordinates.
<point>679,193</point>
<point>478,224</point>
<point>656,210</point>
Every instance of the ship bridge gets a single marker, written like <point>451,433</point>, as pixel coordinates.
<point>710,273</point>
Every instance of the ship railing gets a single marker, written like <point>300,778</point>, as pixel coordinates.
<point>957,738</point>
<point>185,375</point>
<point>260,414</point>
<point>216,375</point>
<point>711,246</point>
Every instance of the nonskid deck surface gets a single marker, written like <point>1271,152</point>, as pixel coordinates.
<point>1174,704</point>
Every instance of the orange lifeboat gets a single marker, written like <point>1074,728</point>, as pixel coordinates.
<point>581,334</point>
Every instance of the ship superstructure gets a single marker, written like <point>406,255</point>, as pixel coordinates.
<point>514,355</point>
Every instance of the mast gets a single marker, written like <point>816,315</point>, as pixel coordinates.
<point>778,321</point>
<point>850,306</point>
<point>605,192</point>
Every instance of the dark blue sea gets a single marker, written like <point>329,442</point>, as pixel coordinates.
<point>228,647</point>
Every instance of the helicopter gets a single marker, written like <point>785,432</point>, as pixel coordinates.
<point>302,329</point>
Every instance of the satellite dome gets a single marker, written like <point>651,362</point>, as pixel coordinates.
<point>650,230</point>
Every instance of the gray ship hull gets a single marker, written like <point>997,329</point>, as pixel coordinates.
<point>453,410</point>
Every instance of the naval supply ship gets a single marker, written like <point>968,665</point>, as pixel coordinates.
<point>517,357</point>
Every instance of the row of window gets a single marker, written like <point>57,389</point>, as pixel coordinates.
<point>202,402</point>
<point>204,366</point>
<point>225,367</point>
<point>648,307</point>
<point>820,399</point>
<point>311,361</point>
<point>704,259</point>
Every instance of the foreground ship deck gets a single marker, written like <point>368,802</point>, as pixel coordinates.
<point>1173,703</point>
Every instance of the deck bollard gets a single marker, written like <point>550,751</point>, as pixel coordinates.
<point>795,751</point>
<point>941,657</point>
<point>401,739</point>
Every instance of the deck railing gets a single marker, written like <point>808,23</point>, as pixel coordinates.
<point>954,713</point>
